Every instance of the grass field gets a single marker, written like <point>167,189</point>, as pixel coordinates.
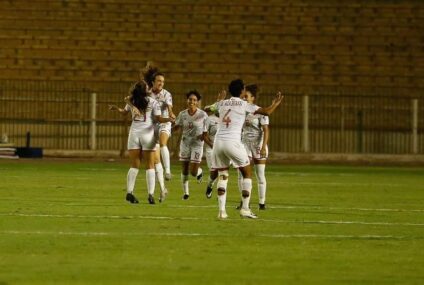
<point>66,222</point>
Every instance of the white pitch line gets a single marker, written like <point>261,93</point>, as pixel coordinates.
<point>196,218</point>
<point>99,216</point>
<point>315,208</point>
<point>340,184</point>
<point>345,223</point>
<point>177,234</point>
<point>346,209</point>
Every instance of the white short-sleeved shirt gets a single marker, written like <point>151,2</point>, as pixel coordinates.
<point>252,128</point>
<point>147,118</point>
<point>164,99</point>
<point>212,123</point>
<point>192,125</point>
<point>232,115</point>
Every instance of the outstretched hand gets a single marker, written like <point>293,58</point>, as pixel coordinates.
<point>278,98</point>
<point>113,107</point>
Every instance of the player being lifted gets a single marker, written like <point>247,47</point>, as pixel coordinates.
<point>148,73</point>
<point>156,80</point>
<point>228,146</point>
<point>141,140</point>
<point>192,121</point>
<point>255,137</point>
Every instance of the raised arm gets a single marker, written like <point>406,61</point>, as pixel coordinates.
<point>134,109</point>
<point>212,108</point>
<point>116,108</point>
<point>271,108</point>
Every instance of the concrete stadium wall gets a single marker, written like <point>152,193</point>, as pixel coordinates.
<point>298,45</point>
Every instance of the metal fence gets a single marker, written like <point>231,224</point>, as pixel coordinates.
<point>62,115</point>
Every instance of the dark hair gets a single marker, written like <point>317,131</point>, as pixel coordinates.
<point>149,73</point>
<point>156,75</point>
<point>139,96</point>
<point>235,87</point>
<point>253,89</point>
<point>195,93</point>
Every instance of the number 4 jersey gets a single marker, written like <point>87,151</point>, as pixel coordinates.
<point>232,115</point>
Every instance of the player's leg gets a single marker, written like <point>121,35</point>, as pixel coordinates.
<point>148,143</point>
<point>240,159</point>
<point>213,174</point>
<point>134,151</point>
<point>184,155</point>
<point>222,192</point>
<point>184,178</point>
<point>134,155</point>
<point>159,174</point>
<point>195,160</point>
<point>164,151</point>
<point>221,162</point>
<point>246,172</point>
<point>260,175</point>
<point>260,162</point>
<point>247,146</point>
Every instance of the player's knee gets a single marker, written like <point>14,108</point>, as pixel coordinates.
<point>221,191</point>
<point>245,193</point>
<point>223,174</point>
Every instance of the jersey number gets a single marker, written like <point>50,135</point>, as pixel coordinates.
<point>226,119</point>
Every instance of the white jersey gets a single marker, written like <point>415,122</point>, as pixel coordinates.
<point>252,128</point>
<point>147,118</point>
<point>212,123</point>
<point>232,114</point>
<point>192,125</point>
<point>164,99</point>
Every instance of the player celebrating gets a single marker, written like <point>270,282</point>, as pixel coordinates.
<point>141,139</point>
<point>147,74</point>
<point>255,139</point>
<point>192,121</point>
<point>156,80</point>
<point>228,146</point>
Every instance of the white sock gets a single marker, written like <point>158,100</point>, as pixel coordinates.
<point>247,186</point>
<point>131,176</point>
<point>222,199</point>
<point>240,181</point>
<point>260,174</point>
<point>150,180</point>
<point>164,152</point>
<point>199,171</point>
<point>184,181</point>
<point>159,175</point>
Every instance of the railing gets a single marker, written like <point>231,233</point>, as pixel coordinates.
<point>61,115</point>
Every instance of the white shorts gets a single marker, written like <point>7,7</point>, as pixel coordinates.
<point>208,155</point>
<point>165,128</point>
<point>254,150</point>
<point>225,152</point>
<point>192,152</point>
<point>144,140</point>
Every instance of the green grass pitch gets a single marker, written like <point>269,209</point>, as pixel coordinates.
<point>66,222</point>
